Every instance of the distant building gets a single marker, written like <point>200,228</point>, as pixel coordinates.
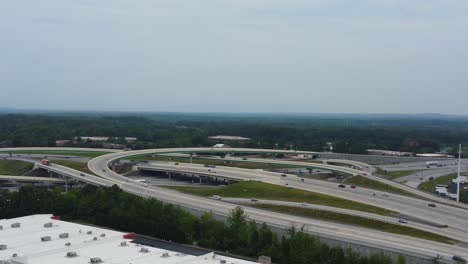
<point>131,140</point>
<point>221,146</point>
<point>93,139</point>
<point>113,146</point>
<point>389,153</point>
<point>62,142</point>
<point>221,138</point>
<point>434,155</point>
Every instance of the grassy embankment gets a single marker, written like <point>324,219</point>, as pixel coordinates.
<point>14,167</point>
<point>429,186</point>
<point>362,181</point>
<point>80,166</point>
<point>396,174</point>
<point>358,221</point>
<point>251,189</point>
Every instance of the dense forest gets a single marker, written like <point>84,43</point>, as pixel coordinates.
<point>349,134</point>
<point>113,208</point>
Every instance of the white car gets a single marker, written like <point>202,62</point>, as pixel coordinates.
<point>216,197</point>
<point>402,221</point>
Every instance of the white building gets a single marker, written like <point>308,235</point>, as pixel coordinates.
<point>38,239</point>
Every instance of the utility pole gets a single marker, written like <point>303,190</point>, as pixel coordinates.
<point>459,168</point>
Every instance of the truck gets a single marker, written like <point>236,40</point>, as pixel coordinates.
<point>46,162</point>
<point>432,163</point>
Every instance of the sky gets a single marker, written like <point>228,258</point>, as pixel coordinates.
<point>290,56</point>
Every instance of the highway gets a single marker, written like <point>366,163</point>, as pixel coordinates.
<point>411,207</point>
<point>362,236</point>
<point>30,179</point>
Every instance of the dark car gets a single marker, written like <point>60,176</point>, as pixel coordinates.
<point>342,186</point>
<point>431,205</point>
<point>302,180</point>
<point>283,175</point>
<point>458,258</point>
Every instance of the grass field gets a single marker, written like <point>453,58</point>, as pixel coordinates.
<point>397,174</point>
<point>90,154</point>
<point>362,181</point>
<point>14,167</point>
<point>357,221</point>
<point>80,166</point>
<point>240,164</point>
<point>251,189</point>
<point>444,180</point>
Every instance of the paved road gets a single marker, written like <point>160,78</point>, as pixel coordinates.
<point>362,236</point>
<point>30,179</point>
<point>357,235</point>
<point>415,208</point>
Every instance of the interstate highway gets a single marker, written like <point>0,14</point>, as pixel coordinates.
<point>374,239</point>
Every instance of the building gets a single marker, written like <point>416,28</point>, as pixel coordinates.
<point>389,153</point>
<point>93,139</point>
<point>221,138</point>
<point>62,142</point>
<point>434,155</point>
<point>40,239</point>
<point>221,146</point>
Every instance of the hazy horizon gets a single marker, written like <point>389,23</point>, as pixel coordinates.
<point>256,56</point>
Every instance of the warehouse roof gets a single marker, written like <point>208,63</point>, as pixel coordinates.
<point>40,239</point>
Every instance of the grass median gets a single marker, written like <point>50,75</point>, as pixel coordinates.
<point>357,221</point>
<point>397,174</point>
<point>76,165</point>
<point>14,167</point>
<point>362,181</point>
<point>429,186</point>
<point>260,190</point>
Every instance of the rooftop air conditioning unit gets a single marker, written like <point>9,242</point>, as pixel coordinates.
<point>47,225</point>
<point>123,244</point>
<point>3,247</point>
<point>64,235</point>
<point>89,232</point>
<point>1,227</point>
<point>144,250</point>
<point>46,238</point>
<point>72,254</point>
<point>103,235</point>
<point>67,244</point>
<point>165,255</point>
<point>15,225</point>
<point>95,260</point>
<point>223,261</point>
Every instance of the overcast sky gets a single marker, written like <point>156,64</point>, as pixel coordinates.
<point>309,56</point>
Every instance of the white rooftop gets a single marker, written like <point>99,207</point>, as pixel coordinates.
<point>24,245</point>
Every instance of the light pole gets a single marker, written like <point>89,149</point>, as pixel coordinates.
<point>458,178</point>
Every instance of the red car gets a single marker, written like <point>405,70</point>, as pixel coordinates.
<point>353,186</point>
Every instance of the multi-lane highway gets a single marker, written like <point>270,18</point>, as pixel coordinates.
<point>361,236</point>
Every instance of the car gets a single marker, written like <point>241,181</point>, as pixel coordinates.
<point>244,158</point>
<point>365,174</point>
<point>458,259</point>
<point>216,197</point>
<point>104,170</point>
<point>82,175</point>
<point>302,180</point>
<point>177,163</point>
<point>304,204</point>
<point>385,195</point>
<point>353,186</point>
<point>283,175</point>
<point>253,200</point>
<point>402,221</point>
<point>431,178</point>
<point>431,205</point>
<point>342,186</point>
<point>145,185</point>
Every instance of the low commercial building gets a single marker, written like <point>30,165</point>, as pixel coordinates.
<point>40,239</point>
<point>223,138</point>
<point>389,153</point>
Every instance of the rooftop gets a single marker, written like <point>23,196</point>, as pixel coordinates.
<point>25,245</point>
<point>229,138</point>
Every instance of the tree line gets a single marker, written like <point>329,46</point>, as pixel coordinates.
<point>348,135</point>
<point>113,208</point>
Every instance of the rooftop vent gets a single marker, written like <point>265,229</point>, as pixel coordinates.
<point>1,227</point>
<point>15,225</point>
<point>165,255</point>
<point>89,232</point>
<point>48,225</point>
<point>95,260</point>
<point>94,238</point>
<point>144,250</point>
<point>67,244</point>
<point>123,244</point>
<point>3,247</point>
<point>64,235</point>
<point>72,254</point>
<point>223,261</point>
<point>103,235</point>
<point>46,238</point>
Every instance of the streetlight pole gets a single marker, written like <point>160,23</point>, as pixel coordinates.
<point>458,178</point>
